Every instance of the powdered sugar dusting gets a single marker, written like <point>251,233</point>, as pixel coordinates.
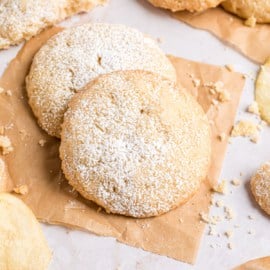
<point>135,146</point>
<point>20,20</point>
<point>77,55</point>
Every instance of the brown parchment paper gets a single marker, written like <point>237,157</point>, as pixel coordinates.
<point>176,234</point>
<point>257,264</point>
<point>252,42</point>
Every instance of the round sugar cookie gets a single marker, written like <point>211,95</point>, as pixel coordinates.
<point>258,9</point>
<point>23,245</point>
<point>22,19</point>
<point>190,5</point>
<point>260,187</point>
<point>77,55</point>
<point>135,144</point>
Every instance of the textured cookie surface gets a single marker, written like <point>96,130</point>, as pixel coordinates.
<point>258,9</point>
<point>260,187</point>
<point>135,144</point>
<point>77,55</point>
<point>22,19</point>
<point>190,5</point>
<point>23,245</point>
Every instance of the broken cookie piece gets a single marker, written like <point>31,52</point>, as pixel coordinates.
<point>246,128</point>
<point>22,190</point>
<point>262,93</point>
<point>23,245</point>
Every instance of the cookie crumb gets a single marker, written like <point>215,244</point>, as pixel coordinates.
<point>250,22</point>
<point>228,234</point>
<point>212,231</point>
<point>236,182</point>
<point>217,88</point>
<point>23,189</point>
<point>250,232</point>
<point>219,203</point>
<point>9,93</point>
<point>221,188</point>
<point>222,137</point>
<point>229,213</point>
<point>251,217</point>
<point>5,145</point>
<point>253,108</point>
<point>42,142</point>
<point>230,67</point>
<point>230,245</point>
<point>209,219</point>
<point>196,82</point>
<point>224,96</point>
<point>214,102</point>
<point>255,138</point>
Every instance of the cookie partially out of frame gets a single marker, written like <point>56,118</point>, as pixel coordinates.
<point>23,245</point>
<point>75,56</point>
<point>190,5</point>
<point>256,264</point>
<point>135,144</point>
<point>260,187</point>
<point>257,9</point>
<point>22,19</point>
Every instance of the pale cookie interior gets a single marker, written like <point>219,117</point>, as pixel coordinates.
<point>23,245</point>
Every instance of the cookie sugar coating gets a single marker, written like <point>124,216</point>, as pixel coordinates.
<point>259,9</point>
<point>77,55</point>
<point>23,245</point>
<point>190,5</point>
<point>22,19</point>
<point>260,187</point>
<point>135,144</point>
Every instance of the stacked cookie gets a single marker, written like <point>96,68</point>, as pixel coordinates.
<point>131,140</point>
<point>257,10</point>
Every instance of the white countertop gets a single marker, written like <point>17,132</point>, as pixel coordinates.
<point>79,250</point>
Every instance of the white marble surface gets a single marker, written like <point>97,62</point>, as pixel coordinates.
<point>78,250</point>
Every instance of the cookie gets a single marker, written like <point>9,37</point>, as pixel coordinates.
<point>256,264</point>
<point>260,187</point>
<point>22,19</point>
<point>190,5</point>
<point>257,9</point>
<point>77,55</point>
<point>262,93</point>
<point>135,144</point>
<point>23,245</point>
